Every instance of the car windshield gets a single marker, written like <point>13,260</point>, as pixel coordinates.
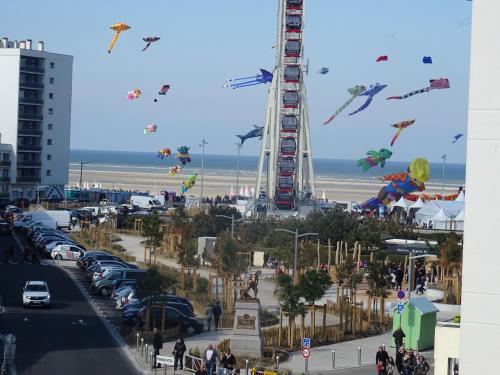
<point>36,288</point>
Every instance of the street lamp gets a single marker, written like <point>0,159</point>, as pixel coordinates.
<point>81,175</point>
<point>232,222</point>
<point>238,148</point>
<point>202,145</point>
<point>444,162</point>
<point>297,236</point>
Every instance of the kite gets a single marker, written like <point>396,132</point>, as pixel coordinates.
<point>370,92</point>
<point>400,126</point>
<point>457,137</point>
<point>183,155</point>
<point>163,91</point>
<point>427,60</point>
<point>374,158</point>
<point>254,133</point>
<point>118,27</point>
<point>150,129</point>
<point>435,84</point>
<point>264,77</point>
<point>134,94</point>
<point>323,70</point>
<point>355,92</point>
<point>188,184</point>
<point>149,40</point>
<point>163,153</point>
<point>382,58</point>
<point>172,171</point>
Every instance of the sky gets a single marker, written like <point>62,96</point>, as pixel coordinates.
<point>205,42</point>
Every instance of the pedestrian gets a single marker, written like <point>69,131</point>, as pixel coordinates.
<point>381,356</point>
<point>399,360</point>
<point>210,357</point>
<point>398,335</point>
<point>178,353</point>
<point>381,370</point>
<point>228,361</point>
<point>26,254</point>
<point>157,345</point>
<point>422,367</point>
<point>399,279</point>
<point>209,316</point>
<point>412,359</point>
<point>216,312</point>
<point>390,366</point>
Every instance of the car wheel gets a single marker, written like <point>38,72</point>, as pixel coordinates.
<point>105,291</point>
<point>59,257</point>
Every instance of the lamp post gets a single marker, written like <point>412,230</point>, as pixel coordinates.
<point>444,162</point>
<point>202,145</point>
<point>297,236</point>
<point>82,163</point>
<point>238,148</point>
<point>232,222</point>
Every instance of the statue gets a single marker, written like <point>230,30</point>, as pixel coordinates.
<point>252,283</point>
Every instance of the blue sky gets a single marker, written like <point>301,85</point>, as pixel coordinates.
<point>204,42</point>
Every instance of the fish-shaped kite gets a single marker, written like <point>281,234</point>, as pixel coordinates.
<point>374,158</point>
<point>264,77</point>
<point>355,92</point>
<point>118,28</point>
<point>149,40</point>
<point>400,126</point>
<point>189,183</point>
<point>435,84</point>
<point>254,133</point>
<point>457,137</point>
<point>163,91</point>
<point>323,70</point>
<point>370,92</point>
<point>382,58</point>
<point>150,129</point>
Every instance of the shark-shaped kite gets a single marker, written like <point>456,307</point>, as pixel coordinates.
<point>254,133</point>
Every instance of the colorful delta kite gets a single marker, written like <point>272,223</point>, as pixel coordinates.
<point>355,92</point>
<point>427,60</point>
<point>163,91</point>
<point>264,77</point>
<point>371,92</point>
<point>118,28</point>
<point>382,58</point>
<point>323,70</point>
<point>150,129</point>
<point>374,158</point>
<point>134,94</point>
<point>163,153</point>
<point>149,40</point>
<point>435,84</point>
<point>183,155</point>
<point>457,137</point>
<point>189,183</point>
<point>400,126</point>
<point>172,171</point>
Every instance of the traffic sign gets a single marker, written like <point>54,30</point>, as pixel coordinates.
<point>400,307</point>
<point>306,352</point>
<point>401,294</point>
<point>306,342</point>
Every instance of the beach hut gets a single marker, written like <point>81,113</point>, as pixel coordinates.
<point>440,221</point>
<point>418,321</point>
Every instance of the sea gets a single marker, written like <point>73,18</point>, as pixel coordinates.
<point>225,165</point>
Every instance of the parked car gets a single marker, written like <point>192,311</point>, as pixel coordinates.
<point>90,254</point>
<point>103,286</point>
<point>36,293</point>
<point>67,252</point>
<point>89,261</point>
<point>173,318</point>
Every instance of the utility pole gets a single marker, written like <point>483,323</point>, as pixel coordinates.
<point>444,162</point>
<point>81,177</point>
<point>233,221</point>
<point>238,148</point>
<point>202,145</point>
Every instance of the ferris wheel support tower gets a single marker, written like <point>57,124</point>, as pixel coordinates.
<point>285,171</point>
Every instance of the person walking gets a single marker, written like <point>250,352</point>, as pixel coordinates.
<point>399,279</point>
<point>390,366</point>
<point>399,360</point>
<point>381,356</point>
<point>209,315</point>
<point>228,362</point>
<point>157,345</point>
<point>398,335</point>
<point>210,357</point>
<point>178,353</point>
<point>26,254</point>
<point>422,367</point>
<point>216,312</point>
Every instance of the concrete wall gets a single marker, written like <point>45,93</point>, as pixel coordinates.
<point>480,320</point>
<point>446,345</point>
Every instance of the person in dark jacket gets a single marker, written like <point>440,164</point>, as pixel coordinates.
<point>398,335</point>
<point>422,366</point>
<point>210,357</point>
<point>217,312</point>
<point>399,360</point>
<point>157,345</point>
<point>228,361</point>
<point>178,353</point>
<point>381,356</point>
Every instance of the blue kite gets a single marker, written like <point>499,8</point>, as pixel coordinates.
<point>370,92</point>
<point>323,70</point>
<point>457,137</point>
<point>264,77</point>
<point>427,60</point>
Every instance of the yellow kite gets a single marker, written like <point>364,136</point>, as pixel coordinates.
<point>118,27</point>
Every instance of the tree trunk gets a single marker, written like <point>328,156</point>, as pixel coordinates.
<point>280,329</point>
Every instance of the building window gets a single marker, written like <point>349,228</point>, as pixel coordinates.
<point>51,95</point>
<point>49,142</point>
<point>50,126</point>
<point>49,157</point>
<point>51,80</point>
<point>51,111</point>
<point>48,172</point>
<point>52,65</point>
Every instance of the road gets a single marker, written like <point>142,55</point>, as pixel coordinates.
<point>52,341</point>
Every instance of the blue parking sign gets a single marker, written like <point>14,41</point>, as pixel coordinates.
<point>306,342</point>
<point>400,307</point>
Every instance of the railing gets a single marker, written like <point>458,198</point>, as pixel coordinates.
<point>31,85</point>
<point>31,100</point>
<point>28,179</point>
<point>29,163</point>
<point>29,148</point>
<point>32,69</point>
<point>29,132</point>
<point>30,116</point>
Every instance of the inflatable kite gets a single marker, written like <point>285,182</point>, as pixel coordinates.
<point>457,137</point>
<point>371,92</point>
<point>254,133</point>
<point>163,91</point>
<point>435,84</point>
<point>188,184</point>
<point>400,126</point>
<point>134,94</point>
<point>374,158</point>
<point>172,171</point>
<point>163,153</point>
<point>264,77</point>
<point>118,28</point>
<point>382,58</point>
<point>183,155</point>
<point>150,129</point>
<point>149,40</point>
<point>355,92</point>
<point>323,70</point>
<point>427,60</point>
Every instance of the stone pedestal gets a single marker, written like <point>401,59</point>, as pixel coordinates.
<point>246,341</point>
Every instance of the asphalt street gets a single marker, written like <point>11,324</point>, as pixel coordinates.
<point>68,337</point>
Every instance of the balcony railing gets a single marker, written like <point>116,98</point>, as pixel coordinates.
<point>5,163</point>
<point>4,179</point>
<point>31,85</point>
<point>29,148</point>
<point>28,178</point>
<point>29,163</point>
<point>29,132</point>
<point>30,116</point>
<point>30,101</point>
<point>32,69</point>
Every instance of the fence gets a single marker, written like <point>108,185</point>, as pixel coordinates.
<point>327,334</point>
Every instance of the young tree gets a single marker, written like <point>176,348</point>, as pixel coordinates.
<point>154,283</point>
<point>229,261</point>
<point>289,297</point>
<point>312,287</point>
<point>151,229</point>
<point>377,277</point>
<point>348,277</point>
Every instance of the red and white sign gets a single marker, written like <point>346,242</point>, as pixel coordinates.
<point>306,352</point>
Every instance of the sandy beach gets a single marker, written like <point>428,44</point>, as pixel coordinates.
<point>335,189</point>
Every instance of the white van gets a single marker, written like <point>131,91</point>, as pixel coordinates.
<point>60,217</point>
<point>145,202</point>
<point>94,210</point>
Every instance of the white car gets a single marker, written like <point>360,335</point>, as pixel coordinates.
<point>36,293</point>
<point>67,252</point>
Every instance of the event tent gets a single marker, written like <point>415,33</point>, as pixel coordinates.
<point>450,210</point>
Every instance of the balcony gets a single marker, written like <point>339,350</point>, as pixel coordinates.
<point>29,148</point>
<point>5,163</point>
<point>34,132</point>
<point>31,85</point>
<point>30,116</point>
<point>28,179</point>
<point>32,69</point>
<point>4,179</point>
<point>30,101</point>
<point>29,163</point>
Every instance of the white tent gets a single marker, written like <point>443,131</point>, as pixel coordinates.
<point>459,221</point>
<point>418,204</point>
<point>231,191</point>
<point>440,220</point>
<point>461,197</point>
<point>247,192</point>
<point>323,197</point>
<point>401,203</point>
<point>430,209</point>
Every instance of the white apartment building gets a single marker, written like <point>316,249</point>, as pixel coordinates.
<point>35,120</point>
